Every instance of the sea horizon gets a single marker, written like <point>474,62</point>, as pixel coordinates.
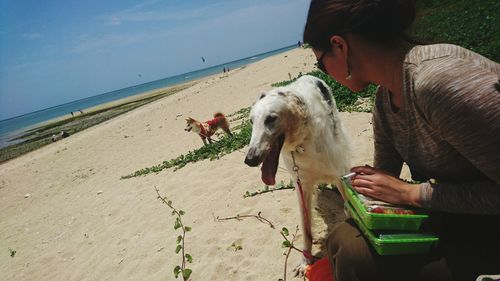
<point>11,128</point>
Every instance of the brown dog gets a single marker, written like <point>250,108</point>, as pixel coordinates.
<point>206,129</point>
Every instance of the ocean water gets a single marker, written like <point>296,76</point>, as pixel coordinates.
<point>13,127</point>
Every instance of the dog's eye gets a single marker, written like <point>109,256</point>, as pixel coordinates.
<point>270,119</point>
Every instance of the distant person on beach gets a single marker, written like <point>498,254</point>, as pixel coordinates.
<point>437,109</point>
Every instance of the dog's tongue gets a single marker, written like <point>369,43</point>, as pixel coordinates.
<point>270,163</point>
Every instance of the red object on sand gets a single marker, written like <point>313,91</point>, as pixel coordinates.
<point>321,270</point>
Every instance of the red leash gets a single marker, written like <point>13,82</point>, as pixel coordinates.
<point>307,225</point>
<point>320,270</point>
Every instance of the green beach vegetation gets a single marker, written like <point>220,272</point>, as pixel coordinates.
<point>473,24</point>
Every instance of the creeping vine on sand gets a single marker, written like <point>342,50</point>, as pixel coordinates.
<point>240,217</point>
<point>277,187</point>
<point>290,245</point>
<point>181,239</point>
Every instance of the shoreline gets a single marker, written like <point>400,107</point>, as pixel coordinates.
<point>39,135</point>
<point>59,124</point>
<point>193,76</point>
<point>134,98</point>
<point>89,110</point>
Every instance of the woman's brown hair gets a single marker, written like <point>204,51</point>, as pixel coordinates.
<point>379,21</point>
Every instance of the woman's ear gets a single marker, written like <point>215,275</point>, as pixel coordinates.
<point>338,42</point>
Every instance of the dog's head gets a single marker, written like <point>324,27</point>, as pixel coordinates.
<point>275,118</point>
<point>190,123</point>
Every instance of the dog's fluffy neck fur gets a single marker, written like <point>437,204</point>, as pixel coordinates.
<point>311,136</point>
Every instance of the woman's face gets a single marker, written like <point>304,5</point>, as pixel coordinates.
<point>333,63</point>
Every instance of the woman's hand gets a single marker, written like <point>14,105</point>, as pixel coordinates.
<point>380,185</point>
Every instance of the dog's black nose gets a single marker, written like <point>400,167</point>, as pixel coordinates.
<point>252,159</point>
<point>252,162</point>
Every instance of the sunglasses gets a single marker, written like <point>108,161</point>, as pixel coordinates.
<point>319,62</point>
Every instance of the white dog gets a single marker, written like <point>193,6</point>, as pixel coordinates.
<point>300,121</point>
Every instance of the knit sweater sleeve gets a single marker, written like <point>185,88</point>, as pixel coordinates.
<point>461,101</point>
<point>386,156</point>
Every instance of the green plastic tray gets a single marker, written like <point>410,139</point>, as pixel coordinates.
<point>382,221</point>
<point>411,244</point>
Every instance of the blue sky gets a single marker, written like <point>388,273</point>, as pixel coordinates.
<point>56,51</point>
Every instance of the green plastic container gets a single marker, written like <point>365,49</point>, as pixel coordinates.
<point>382,221</point>
<point>415,243</point>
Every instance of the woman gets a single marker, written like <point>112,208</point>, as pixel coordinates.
<point>437,109</point>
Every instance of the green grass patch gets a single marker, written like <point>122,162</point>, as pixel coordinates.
<point>473,24</point>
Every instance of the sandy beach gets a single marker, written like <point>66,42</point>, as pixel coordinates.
<point>68,216</point>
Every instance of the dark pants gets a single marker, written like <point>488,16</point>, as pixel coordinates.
<point>469,246</point>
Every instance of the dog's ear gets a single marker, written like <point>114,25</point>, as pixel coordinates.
<point>324,91</point>
<point>299,106</point>
<point>291,97</point>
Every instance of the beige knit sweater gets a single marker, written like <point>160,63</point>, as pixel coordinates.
<point>447,129</point>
